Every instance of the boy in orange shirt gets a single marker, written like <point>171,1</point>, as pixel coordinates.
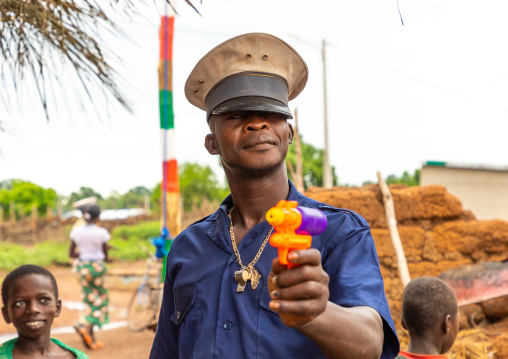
<point>431,316</point>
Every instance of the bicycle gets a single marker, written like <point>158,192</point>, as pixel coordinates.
<point>144,306</point>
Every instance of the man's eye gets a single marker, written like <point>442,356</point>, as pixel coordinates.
<point>19,303</point>
<point>234,117</point>
<point>44,300</point>
<point>275,116</point>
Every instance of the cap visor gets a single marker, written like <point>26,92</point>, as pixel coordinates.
<point>253,103</point>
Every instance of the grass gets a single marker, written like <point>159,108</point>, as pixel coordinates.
<point>130,243</point>
<point>42,254</point>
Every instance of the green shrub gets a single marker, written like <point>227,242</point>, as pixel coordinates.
<point>42,254</point>
<point>131,243</point>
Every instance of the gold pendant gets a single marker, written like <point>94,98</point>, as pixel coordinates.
<point>254,279</point>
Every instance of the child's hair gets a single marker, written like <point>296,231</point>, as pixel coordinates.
<point>427,300</point>
<point>92,212</point>
<point>23,271</point>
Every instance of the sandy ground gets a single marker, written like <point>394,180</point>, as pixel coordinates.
<point>119,342</point>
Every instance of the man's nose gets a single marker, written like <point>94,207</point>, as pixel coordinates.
<point>256,122</point>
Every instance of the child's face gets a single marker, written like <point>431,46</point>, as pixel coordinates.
<point>31,305</point>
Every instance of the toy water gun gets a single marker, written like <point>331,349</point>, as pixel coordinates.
<point>294,227</point>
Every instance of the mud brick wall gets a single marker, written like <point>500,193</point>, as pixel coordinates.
<point>436,233</point>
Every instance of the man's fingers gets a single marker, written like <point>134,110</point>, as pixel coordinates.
<point>310,256</point>
<point>277,267</point>
<point>302,291</point>
<point>300,274</point>
<point>309,308</point>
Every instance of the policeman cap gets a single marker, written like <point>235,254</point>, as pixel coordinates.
<point>250,72</point>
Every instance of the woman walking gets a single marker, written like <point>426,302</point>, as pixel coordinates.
<point>89,245</point>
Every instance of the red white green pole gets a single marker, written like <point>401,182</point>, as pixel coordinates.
<point>170,188</point>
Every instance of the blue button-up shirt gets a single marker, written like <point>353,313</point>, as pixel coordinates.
<point>202,315</point>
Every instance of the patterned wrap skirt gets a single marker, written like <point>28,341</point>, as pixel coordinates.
<point>91,277</point>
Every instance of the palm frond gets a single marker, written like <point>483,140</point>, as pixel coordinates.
<point>39,35</point>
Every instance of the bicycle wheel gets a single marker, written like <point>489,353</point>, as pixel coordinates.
<point>142,311</point>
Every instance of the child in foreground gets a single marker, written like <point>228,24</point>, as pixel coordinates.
<point>431,316</point>
<point>30,303</point>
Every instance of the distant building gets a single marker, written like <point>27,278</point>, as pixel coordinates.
<point>110,214</point>
<point>481,189</point>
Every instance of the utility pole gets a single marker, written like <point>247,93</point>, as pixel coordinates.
<point>298,151</point>
<point>327,170</point>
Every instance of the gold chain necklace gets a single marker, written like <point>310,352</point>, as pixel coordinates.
<point>247,272</point>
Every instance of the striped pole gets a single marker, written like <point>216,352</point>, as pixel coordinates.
<point>170,188</point>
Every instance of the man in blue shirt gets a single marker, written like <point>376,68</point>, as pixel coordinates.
<point>226,295</point>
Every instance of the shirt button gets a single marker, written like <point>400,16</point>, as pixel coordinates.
<point>177,315</point>
<point>227,325</point>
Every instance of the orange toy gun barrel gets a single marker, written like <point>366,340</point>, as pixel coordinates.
<point>294,227</point>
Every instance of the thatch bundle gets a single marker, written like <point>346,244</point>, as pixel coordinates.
<point>470,344</point>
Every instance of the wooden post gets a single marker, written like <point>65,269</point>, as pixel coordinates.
<point>394,233</point>
<point>1,215</point>
<point>12,211</point>
<point>147,202</point>
<point>292,174</point>
<point>327,169</point>
<point>173,212</point>
<point>298,151</point>
<point>49,219</point>
<point>59,208</point>
<point>33,223</point>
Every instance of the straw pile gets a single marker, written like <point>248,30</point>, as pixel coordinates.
<point>470,344</point>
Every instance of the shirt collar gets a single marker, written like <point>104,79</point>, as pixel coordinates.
<point>220,221</point>
<point>227,203</point>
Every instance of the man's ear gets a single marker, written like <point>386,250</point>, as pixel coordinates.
<point>211,144</point>
<point>291,135</point>
<point>6,315</point>
<point>58,308</point>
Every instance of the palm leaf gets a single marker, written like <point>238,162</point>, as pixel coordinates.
<point>37,36</point>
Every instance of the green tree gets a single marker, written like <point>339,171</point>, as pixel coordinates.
<point>113,201</point>
<point>83,192</point>
<point>155,198</point>
<point>197,182</point>
<point>135,197</point>
<point>406,178</point>
<point>312,160</point>
<point>25,195</point>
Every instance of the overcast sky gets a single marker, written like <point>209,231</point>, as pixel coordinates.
<point>435,88</point>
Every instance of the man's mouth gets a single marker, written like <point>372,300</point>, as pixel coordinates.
<point>259,143</point>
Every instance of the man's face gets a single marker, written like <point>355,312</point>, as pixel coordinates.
<point>32,305</point>
<point>252,142</point>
